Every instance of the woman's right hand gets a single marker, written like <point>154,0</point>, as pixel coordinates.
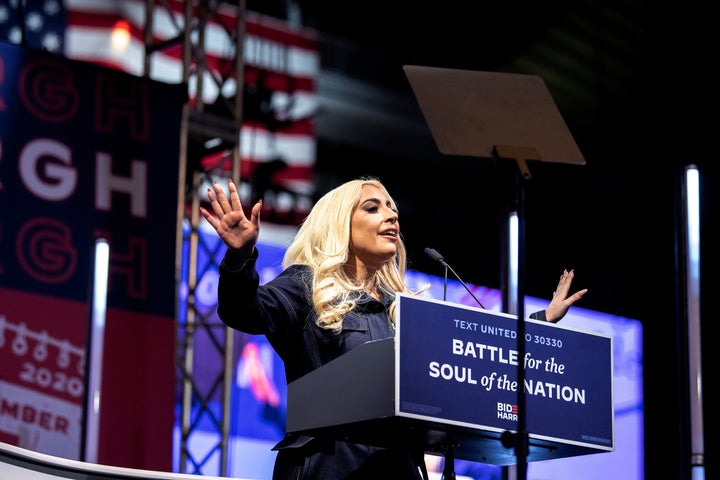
<point>229,221</point>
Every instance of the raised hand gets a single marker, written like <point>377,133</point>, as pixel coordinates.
<point>229,221</point>
<point>561,303</point>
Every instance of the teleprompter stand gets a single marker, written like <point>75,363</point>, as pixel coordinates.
<point>505,116</point>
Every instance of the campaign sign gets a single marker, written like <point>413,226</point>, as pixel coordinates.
<point>87,153</point>
<point>459,365</point>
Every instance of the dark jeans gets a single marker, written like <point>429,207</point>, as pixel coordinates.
<point>328,460</point>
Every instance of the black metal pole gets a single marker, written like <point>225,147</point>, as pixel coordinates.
<point>522,437</point>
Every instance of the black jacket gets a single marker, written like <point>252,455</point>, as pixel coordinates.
<point>282,310</point>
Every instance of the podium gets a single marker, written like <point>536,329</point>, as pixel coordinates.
<point>448,381</point>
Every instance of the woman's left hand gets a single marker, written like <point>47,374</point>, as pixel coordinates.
<point>561,303</point>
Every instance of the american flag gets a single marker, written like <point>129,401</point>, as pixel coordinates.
<point>281,62</point>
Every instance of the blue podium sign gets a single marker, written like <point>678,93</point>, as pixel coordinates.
<point>458,365</point>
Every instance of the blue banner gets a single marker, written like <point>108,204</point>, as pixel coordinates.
<point>459,365</point>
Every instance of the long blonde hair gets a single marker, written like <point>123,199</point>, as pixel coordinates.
<point>323,243</point>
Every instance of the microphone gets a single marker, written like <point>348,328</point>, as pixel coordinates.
<point>435,255</point>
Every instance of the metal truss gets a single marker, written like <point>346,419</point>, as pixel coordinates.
<point>204,401</point>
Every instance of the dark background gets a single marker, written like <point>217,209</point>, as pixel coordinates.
<point>633,82</point>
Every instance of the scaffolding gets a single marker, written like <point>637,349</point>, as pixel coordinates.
<point>203,402</point>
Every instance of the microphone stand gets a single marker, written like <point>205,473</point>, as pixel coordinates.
<point>432,253</point>
<point>449,467</point>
